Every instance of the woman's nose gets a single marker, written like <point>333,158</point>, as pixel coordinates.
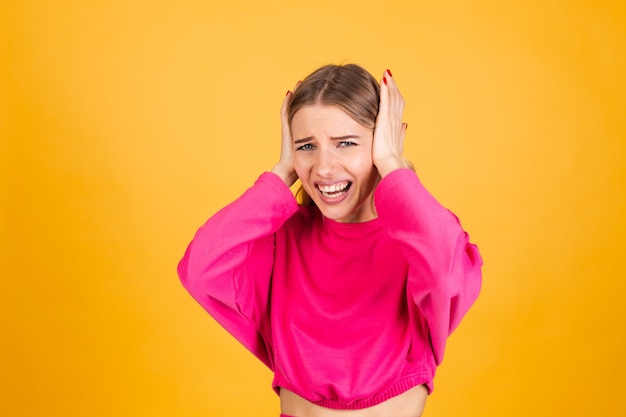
<point>326,163</point>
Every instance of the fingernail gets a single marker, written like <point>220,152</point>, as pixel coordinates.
<point>288,92</point>
<point>385,80</point>
<point>389,72</point>
<point>407,126</point>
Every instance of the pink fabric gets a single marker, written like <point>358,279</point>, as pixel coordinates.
<point>346,315</point>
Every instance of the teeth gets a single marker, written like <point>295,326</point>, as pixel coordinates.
<point>334,190</point>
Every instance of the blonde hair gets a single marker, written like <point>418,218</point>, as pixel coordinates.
<point>349,87</point>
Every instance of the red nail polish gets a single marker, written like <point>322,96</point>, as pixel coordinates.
<point>389,72</point>
<point>385,80</point>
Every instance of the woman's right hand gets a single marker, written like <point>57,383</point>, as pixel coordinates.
<point>284,168</point>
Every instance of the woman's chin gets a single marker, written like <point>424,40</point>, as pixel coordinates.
<point>346,213</point>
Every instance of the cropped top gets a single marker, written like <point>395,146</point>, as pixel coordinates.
<point>346,315</point>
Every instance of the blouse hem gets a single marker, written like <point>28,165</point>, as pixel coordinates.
<point>396,389</point>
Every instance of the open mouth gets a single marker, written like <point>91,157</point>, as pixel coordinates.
<point>335,190</point>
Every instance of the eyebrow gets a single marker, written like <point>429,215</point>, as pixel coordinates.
<point>309,138</point>
<point>303,140</point>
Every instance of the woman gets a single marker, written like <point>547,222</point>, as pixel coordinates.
<point>349,296</point>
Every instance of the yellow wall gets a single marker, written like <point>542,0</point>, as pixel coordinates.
<point>125,124</point>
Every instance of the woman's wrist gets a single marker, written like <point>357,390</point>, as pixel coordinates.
<point>288,176</point>
<point>390,164</point>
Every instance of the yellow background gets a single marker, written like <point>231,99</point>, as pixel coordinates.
<point>125,124</point>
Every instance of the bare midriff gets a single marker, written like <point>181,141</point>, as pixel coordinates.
<point>408,404</point>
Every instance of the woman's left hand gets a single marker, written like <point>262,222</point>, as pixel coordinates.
<point>389,131</point>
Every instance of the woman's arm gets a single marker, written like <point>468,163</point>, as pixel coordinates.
<point>228,265</point>
<point>444,267</point>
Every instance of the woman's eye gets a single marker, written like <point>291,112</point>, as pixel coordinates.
<point>305,147</point>
<point>345,143</point>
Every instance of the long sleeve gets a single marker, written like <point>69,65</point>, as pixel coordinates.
<point>228,265</point>
<point>444,267</point>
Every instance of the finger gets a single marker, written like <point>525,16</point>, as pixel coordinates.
<point>285,106</point>
<point>284,119</point>
<point>384,93</point>
<point>392,85</point>
<point>394,92</point>
<point>388,88</point>
<point>390,82</point>
<point>396,101</point>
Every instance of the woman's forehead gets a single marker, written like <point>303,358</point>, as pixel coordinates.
<point>315,114</point>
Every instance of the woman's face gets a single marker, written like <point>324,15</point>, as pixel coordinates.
<point>333,159</point>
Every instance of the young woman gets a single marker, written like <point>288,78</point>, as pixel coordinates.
<point>349,296</point>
